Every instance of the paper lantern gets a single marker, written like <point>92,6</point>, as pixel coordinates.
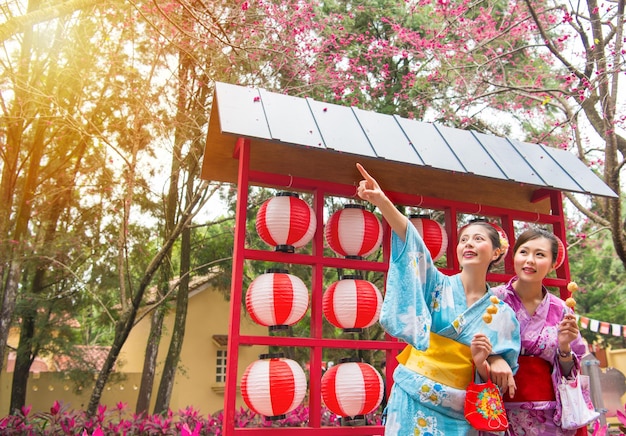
<point>352,389</point>
<point>277,299</point>
<point>273,386</point>
<point>352,303</point>
<point>353,232</point>
<point>560,256</point>
<point>433,234</point>
<point>286,222</point>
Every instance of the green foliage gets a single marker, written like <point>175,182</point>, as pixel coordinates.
<point>602,285</point>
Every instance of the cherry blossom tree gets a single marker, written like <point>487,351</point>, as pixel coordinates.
<point>542,71</point>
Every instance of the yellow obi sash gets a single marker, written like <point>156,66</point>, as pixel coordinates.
<point>446,361</point>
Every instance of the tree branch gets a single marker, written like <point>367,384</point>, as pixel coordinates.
<point>19,24</point>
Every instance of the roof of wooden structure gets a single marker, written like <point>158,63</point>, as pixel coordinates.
<point>302,137</point>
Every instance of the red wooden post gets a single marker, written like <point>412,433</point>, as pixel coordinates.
<point>242,150</point>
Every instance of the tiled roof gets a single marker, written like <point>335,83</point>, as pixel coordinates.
<point>92,358</point>
<point>220,340</point>
<point>38,365</point>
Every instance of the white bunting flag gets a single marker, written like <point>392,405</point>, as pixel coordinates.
<point>616,329</point>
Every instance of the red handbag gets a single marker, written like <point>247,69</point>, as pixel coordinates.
<point>484,408</point>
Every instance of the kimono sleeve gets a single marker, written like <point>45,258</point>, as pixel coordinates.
<point>412,276</point>
<point>504,334</point>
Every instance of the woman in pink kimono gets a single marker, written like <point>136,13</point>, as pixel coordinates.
<point>551,344</point>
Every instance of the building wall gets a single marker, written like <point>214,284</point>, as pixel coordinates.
<point>47,387</point>
<point>195,386</point>
<point>616,359</point>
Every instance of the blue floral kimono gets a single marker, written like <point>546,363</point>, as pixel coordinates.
<point>428,310</point>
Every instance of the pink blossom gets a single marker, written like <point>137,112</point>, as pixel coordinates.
<point>26,410</point>
<point>56,407</point>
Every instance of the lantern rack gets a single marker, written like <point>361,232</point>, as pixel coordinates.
<point>320,190</point>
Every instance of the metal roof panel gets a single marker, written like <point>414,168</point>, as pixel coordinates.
<point>340,129</point>
<point>429,145</point>
<point>470,152</point>
<point>508,159</point>
<point>240,111</point>
<point>290,119</point>
<point>275,119</point>
<point>386,137</point>
<point>584,177</point>
<point>545,166</point>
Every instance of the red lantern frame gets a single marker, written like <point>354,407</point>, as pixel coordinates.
<point>318,262</point>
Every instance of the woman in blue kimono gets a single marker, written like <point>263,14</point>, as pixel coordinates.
<point>441,318</point>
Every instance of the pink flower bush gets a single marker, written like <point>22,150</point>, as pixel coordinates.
<point>603,430</point>
<point>61,420</point>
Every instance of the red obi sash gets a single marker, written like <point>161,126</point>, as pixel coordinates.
<point>533,381</point>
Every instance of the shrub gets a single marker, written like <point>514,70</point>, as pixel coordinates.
<point>62,420</point>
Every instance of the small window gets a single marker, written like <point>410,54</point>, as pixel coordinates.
<point>220,366</point>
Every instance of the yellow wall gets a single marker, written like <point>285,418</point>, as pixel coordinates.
<point>617,359</point>
<point>195,386</point>
<point>47,387</point>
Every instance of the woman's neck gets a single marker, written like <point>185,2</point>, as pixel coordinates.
<point>530,293</point>
<point>475,285</point>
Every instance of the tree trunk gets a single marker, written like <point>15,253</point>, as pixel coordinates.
<point>23,360</point>
<point>10,267</point>
<point>149,363</point>
<point>164,393</point>
<point>193,164</point>
<point>21,227</point>
<point>127,320</point>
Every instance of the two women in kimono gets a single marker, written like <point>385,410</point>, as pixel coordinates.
<point>551,344</point>
<point>441,319</point>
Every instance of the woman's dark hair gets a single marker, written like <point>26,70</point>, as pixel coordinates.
<point>493,234</point>
<point>536,233</point>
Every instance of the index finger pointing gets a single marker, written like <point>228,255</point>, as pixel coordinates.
<point>364,173</point>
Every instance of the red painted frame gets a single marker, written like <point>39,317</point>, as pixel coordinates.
<point>320,189</point>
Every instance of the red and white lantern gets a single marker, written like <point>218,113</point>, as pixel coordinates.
<point>433,234</point>
<point>352,303</point>
<point>353,232</point>
<point>286,222</point>
<point>273,386</point>
<point>352,389</point>
<point>277,299</point>
<point>560,257</point>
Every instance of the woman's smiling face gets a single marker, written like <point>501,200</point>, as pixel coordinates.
<point>533,259</point>
<point>475,246</point>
